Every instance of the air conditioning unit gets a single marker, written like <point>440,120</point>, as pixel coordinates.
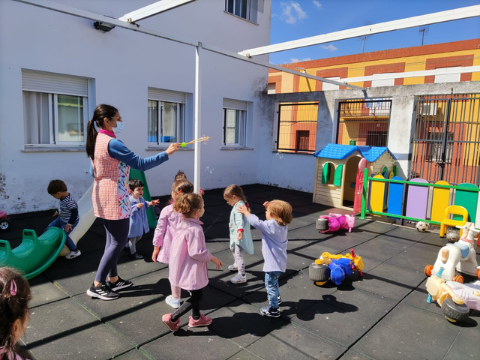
<point>428,109</point>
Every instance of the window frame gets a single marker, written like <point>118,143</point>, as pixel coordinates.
<point>249,9</point>
<point>242,128</point>
<point>180,123</point>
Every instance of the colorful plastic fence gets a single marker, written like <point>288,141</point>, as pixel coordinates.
<point>410,200</point>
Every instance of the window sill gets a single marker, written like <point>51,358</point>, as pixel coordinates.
<point>32,149</point>
<point>163,148</point>
<point>239,17</point>
<point>227,148</point>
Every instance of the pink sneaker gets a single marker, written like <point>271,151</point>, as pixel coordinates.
<point>172,325</point>
<point>203,321</point>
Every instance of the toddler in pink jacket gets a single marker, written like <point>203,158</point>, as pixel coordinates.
<point>164,233</point>
<point>188,261</point>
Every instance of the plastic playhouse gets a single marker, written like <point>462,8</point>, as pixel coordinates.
<point>337,172</point>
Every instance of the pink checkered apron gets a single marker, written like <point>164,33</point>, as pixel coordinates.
<point>110,187</point>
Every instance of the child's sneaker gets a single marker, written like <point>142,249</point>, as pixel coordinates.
<point>119,284</point>
<point>271,312</point>
<point>279,300</point>
<point>239,279</point>
<point>172,325</point>
<point>233,267</point>
<point>203,321</point>
<point>102,292</point>
<point>174,303</point>
<point>73,254</point>
<point>136,256</point>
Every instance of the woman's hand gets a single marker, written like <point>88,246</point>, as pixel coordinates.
<point>216,261</point>
<point>172,148</point>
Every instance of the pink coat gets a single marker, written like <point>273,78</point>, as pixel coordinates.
<point>189,256</point>
<point>165,231</point>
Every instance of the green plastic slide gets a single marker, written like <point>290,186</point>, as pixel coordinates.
<point>35,254</point>
<point>140,175</point>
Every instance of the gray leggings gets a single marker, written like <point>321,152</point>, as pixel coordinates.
<point>117,238</point>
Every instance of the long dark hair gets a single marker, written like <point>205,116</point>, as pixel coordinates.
<point>101,112</point>
<point>14,297</point>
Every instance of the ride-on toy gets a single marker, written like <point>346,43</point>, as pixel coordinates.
<point>333,222</point>
<point>4,221</point>
<point>335,268</point>
<point>460,256</point>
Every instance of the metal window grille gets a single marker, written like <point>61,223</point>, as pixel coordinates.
<point>297,127</point>
<point>363,122</point>
<point>446,138</point>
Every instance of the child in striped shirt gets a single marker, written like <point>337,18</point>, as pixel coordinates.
<point>68,214</point>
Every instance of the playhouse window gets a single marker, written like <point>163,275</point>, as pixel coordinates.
<point>166,118</point>
<point>55,109</point>
<point>328,174</point>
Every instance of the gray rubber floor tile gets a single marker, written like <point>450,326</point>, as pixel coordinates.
<point>292,342</point>
<point>390,280</point>
<point>308,233</point>
<point>44,292</point>
<point>217,246</point>
<point>359,309</point>
<point>64,330</point>
<point>418,298</point>
<point>466,345</point>
<point>406,233</point>
<point>354,355</point>
<point>410,333</point>
<point>245,355</point>
<point>313,250</point>
<point>298,294</point>
<point>373,226</point>
<point>415,256</point>
<point>382,247</point>
<point>198,343</point>
<point>434,239</point>
<point>132,355</point>
<point>249,324</point>
<point>345,241</point>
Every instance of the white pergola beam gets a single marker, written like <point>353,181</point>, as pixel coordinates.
<point>276,67</point>
<point>409,74</point>
<point>434,18</point>
<point>153,9</point>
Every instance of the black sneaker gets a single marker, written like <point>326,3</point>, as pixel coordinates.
<point>136,256</point>
<point>119,284</point>
<point>279,300</point>
<point>102,292</point>
<point>271,312</point>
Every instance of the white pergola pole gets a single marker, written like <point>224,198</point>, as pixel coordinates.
<point>197,116</point>
<point>152,9</point>
<point>433,18</point>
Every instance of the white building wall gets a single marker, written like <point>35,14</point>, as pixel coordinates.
<point>123,65</point>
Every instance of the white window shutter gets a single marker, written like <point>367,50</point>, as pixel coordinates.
<point>234,104</point>
<point>166,95</point>
<point>45,82</point>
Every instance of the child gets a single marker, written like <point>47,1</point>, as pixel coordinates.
<point>164,233</point>
<point>240,234</point>
<point>138,220</point>
<point>181,176</point>
<point>14,297</point>
<point>188,261</point>
<point>68,214</point>
<point>274,248</point>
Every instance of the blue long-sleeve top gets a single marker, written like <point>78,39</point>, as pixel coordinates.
<point>118,151</point>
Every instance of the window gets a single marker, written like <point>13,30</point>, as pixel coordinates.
<point>234,122</point>
<point>55,109</point>
<point>303,138</point>
<point>166,116</point>
<point>271,88</point>
<point>246,9</point>
<point>435,146</point>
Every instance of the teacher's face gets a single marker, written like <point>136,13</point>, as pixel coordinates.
<point>110,123</point>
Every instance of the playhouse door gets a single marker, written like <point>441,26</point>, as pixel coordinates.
<point>357,203</point>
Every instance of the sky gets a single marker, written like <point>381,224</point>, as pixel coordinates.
<point>292,20</point>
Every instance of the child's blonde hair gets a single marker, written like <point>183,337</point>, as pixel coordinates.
<point>186,204</point>
<point>182,187</point>
<point>180,175</point>
<point>14,298</point>
<point>235,190</point>
<point>280,211</point>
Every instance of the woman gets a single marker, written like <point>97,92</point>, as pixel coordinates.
<point>111,161</point>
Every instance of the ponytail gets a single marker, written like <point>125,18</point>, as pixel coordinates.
<point>101,112</point>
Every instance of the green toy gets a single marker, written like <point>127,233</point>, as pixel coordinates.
<point>34,255</point>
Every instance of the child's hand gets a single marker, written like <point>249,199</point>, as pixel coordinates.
<point>202,192</point>
<point>139,205</point>
<point>68,227</point>
<point>154,202</point>
<point>216,261</point>
<point>55,214</point>
<point>266,203</point>
<point>243,210</point>
<point>156,250</point>
<point>239,235</point>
